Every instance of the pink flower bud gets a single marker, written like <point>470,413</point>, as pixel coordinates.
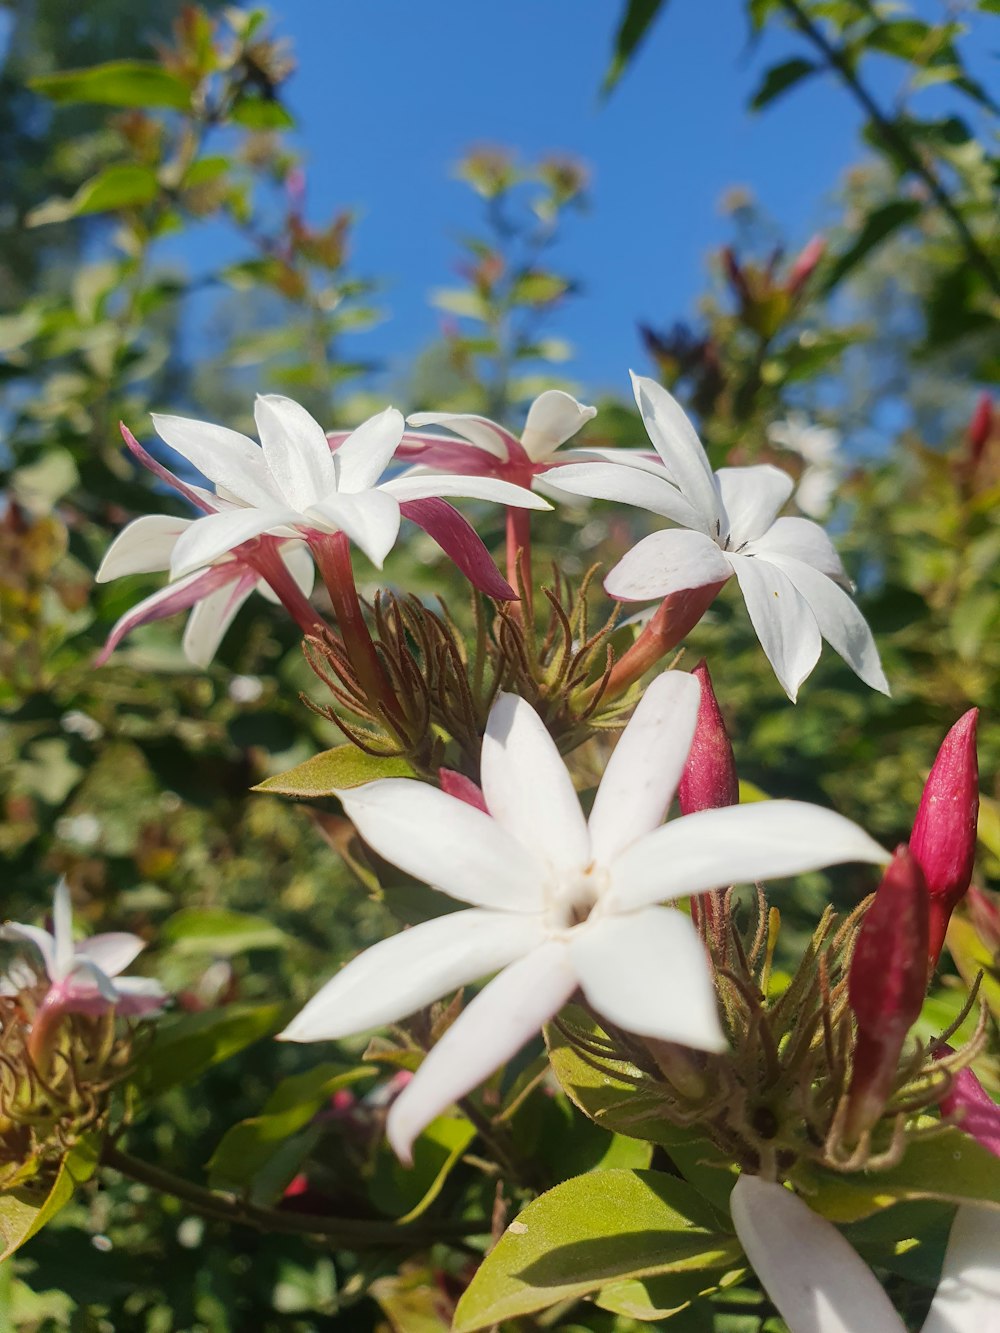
<point>980,427</point>
<point>709,779</point>
<point>974,1110</point>
<point>944,832</point>
<point>805,265</point>
<point>886,985</point>
<point>462,788</point>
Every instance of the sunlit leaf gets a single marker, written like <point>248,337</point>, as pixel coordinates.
<point>131,83</point>
<point>344,766</point>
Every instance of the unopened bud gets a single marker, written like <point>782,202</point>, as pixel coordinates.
<point>886,985</point>
<point>980,428</point>
<point>805,265</point>
<point>974,1109</point>
<point>462,788</point>
<point>709,779</point>
<point>944,832</point>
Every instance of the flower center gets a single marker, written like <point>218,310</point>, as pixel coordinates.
<point>571,896</point>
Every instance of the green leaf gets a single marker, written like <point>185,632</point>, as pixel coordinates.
<point>128,83</point>
<point>588,1234</point>
<point>398,1189</point>
<point>663,1297</point>
<point>220,932</point>
<point>878,226</point>
<point>461,301</point>
<point>250,1146</point>
<point>261,113</point>
<point>24,1211</point>
<point>949,1166</point>
<point>779,78</point>
<point>121,186</point>
<point>343,766</point>
<point>538,289</point>
<point>632,31</point>
<point>184,1048</point>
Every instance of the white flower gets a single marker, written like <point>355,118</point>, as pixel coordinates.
<point>293,483</point>
<point>819,446</point>
<point>83,975</point>
<point>787,568</point>
<point>821,1285</point>
<point>559,901</point>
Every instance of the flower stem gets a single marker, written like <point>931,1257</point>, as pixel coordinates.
<point>519,559</point>
<point>275,573</point>
<point>347,1231</point>
<point>333,556</point>
<point>675,617</point>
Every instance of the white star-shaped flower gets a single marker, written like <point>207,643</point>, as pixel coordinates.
<point>559,901</point>
<point>787,568</point>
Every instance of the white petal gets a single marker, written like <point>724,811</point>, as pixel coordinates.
<point>648,973</point>
<point>41,939</point>
<point>216,535</point>
<point>210,618</point>
<point>752,496</point>
<point>422,486</point>
<point>227,458</point>
<point>446,843</point>
<point>401,974</point>
<point>802,540</point>
<point>840,622</point>
<point>62,928</point>
<point>811,1273</point>
<point>552,418</point>
<point>296,449</point>
<point>643,459</point>
<point>643,772</point>
<point>479,431</point>
<point>370,519</point>
<point>143,547</point>
<point>666,562</point>
<point>625,485</point>
<point>501,1018</point>
<point>112,952</point>
<point>738,844</point>
<point>785,625</point>
<point>366,452</point>
<point>527,787</point>
<point>968,1295</point>
<point>677,443</point>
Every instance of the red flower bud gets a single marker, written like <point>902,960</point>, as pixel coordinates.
<point>709,779</point>
<point>462,788</point>
<point>886,984</point>
<point>944,832</point>
<point>805,265</point>
<point>980,427</point>
<point>973,1108</point>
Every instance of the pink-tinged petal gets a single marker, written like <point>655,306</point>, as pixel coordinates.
<point>407,971</point>
<point>168,601</point>
<point>648,973</point>
<point>41,939</point>
<point>738,844</point>
<point>370,519</point>
<point>812,1274</point>
<point>461,544</point>
<point>462,788</point>
<point>428,485</point>
<point>643,772</point>
<point>968,1296</point>
<point>367,451</point>
<point>296,451</point>
<point>216,535</point>
<point>552,418</point>
<point>785,624</point>
<point>201,499</point>
<point>840,622</point>
<point>144,546</point>
<point>753,497</point>
<point>139,996</point>
<point>624,485</point>
<point>527,787</point>
<point>446,843</point>
<point>667,562</point>
<point>111,952</point>
<point>974,1110</point>
<point>62,928</point>
<point>801,539</point>
<point>494,1027</point>
<point>677,443</point>
<point>227,458</point>
<point>80,982</point>
<point>479,431</point>
<point>211,618</point>
<point>443,453</point>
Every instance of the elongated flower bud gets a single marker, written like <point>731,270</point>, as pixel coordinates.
<point>709,779</point>
<point>805,265</point>
<point>980,427</point>
<point>974,1109</point>
<point>886,985</point>
<point>944,832</point>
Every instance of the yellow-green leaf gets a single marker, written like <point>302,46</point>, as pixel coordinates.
<point>128,83</point>
<point>23,1212</point>
<point>323,774</point>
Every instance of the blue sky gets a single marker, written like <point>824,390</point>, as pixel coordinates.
<point>390,93</point>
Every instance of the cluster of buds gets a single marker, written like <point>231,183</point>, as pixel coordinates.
<point>765,298</point>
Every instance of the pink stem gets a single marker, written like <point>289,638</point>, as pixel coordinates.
<point>519,556</point>
<point>675,618</point>
<point>266,561</point>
